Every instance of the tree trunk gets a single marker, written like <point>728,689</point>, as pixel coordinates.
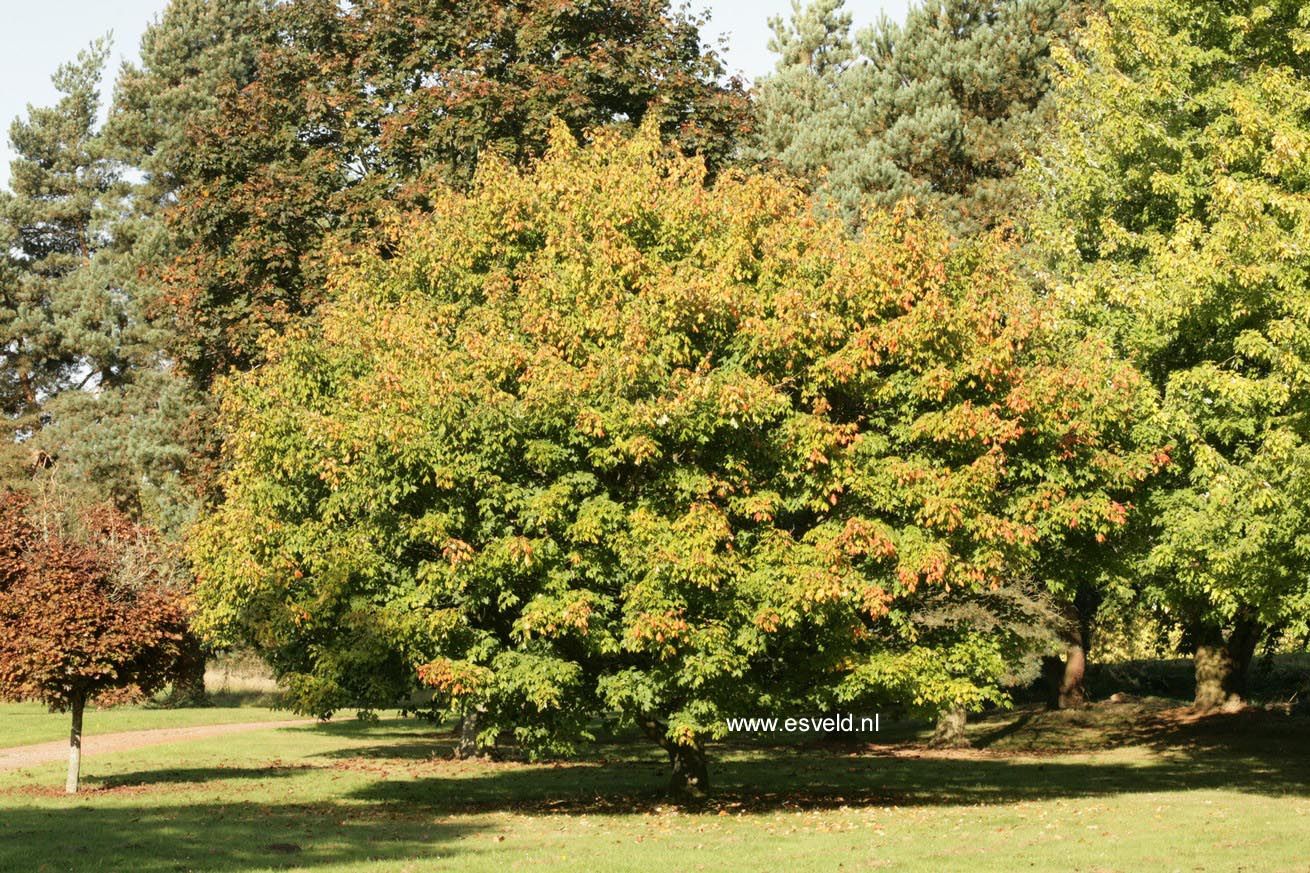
<point>193,683</point>
<point>1052,677</point>
<point>468,733</point>
<point>75,746</point>
<point>690,775</point>
<point>1222,666</point>
<point>189,688</point>
<point>1066,679</point>
<point>949,733</point>
<point>1073,683</point>
<point>1241,649</point>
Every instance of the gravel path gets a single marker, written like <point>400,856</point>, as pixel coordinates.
<point>18,757</point>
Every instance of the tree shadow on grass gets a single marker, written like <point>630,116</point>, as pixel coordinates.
<point>812,779</point>
<point>401,747</point>
<point>189,776</point>
<point>1256,753</point>
<point>1252,732</point>
<point>215,837</point>
<point>388,728</point>
<point>406,804</point>
<point>1159,724</point>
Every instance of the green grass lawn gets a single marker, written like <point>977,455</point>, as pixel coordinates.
<point>1154,793</point>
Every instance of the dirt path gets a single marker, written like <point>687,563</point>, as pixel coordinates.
<point>17,757</point>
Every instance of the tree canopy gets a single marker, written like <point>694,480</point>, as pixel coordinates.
<point>1177,222</point>
<point>88,610</point>
<point>356,107</point>
<point>942,108</point>
<point>55,330</point>
<point>91,393</point>
<point>600,437</point>
<point>564,379</point>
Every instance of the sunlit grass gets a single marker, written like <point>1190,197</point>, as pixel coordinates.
<point>1167,794</point>
<point>27,723</point>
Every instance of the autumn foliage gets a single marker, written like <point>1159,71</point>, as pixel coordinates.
<point>86,612</point>
<point>600,437</point>
<point>353,108</point>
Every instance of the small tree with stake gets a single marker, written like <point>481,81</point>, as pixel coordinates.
<point>88,611</point>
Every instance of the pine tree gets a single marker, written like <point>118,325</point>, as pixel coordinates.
<point>195,49</point>
<point>58,325</point>
<point>134,439</point>
<point>92,318</point>
<point>801,108</point>
<point>941,108</point>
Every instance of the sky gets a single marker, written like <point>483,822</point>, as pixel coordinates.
<point>38,36</point>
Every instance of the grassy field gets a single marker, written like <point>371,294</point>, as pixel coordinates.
<point>236,694</point>
<point>1156,791</point>
<point>25,723</point>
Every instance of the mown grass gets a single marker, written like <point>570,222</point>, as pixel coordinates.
<point>237,693</point>
<point>26,723</point>
<point>1133,787</point>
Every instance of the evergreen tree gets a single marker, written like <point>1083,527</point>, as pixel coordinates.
<point>941,108</point>
<point>95,310</point>
<point>58,325</point>
<point>134,441</point>
<point>803,109</point>
<point>195,50</point>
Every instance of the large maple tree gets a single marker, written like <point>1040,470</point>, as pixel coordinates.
<point>602,438</point>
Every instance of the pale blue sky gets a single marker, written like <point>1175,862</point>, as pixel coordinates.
<point>37,35</point>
